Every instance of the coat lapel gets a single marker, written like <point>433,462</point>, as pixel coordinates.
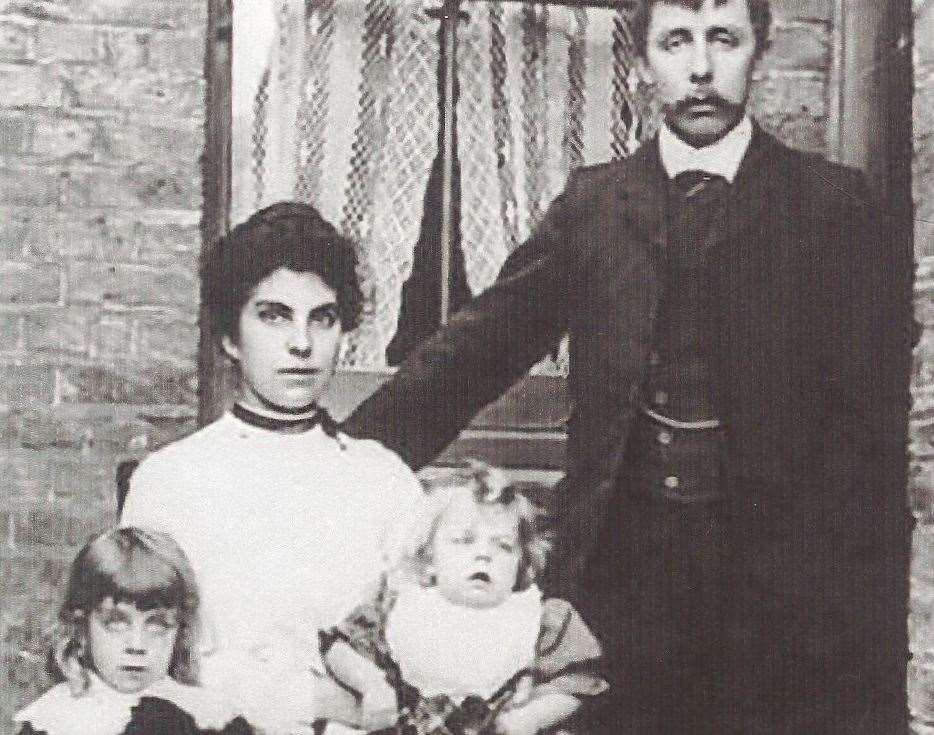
<point>641,197</point>
<point>754,292</point>
<point>753,189</point>
<point>624,292</point>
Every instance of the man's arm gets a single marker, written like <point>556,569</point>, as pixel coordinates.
<point>541,713</point>
<point>486,346</point>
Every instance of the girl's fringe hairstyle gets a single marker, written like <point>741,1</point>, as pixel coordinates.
<point>133,565</point>
<point>489,487</point>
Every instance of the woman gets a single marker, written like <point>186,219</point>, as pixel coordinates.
<point>286,520</point>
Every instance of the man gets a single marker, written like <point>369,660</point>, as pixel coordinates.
<point>733,516</point>
<point>286,521</point>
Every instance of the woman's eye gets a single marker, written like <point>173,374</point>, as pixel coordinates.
<point>271,315</point>
<point>326,318</point>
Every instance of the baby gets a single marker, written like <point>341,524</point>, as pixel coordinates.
<point>459,639</point>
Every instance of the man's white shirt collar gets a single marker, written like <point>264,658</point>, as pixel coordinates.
<point>721,158</point>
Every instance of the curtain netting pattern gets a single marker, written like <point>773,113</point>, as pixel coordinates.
<point>342,111</point>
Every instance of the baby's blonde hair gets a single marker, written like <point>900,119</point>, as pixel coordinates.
<point>488,487</point>
<point>135,565</point>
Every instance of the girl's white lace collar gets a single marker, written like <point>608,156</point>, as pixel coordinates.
<point>102,710</point>
<point>442,648</point>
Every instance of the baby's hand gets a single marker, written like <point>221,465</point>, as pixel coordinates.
<point>518,721</point>
<point>378,707</point>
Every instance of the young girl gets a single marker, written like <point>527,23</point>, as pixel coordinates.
<point>125,648</point>
<point>460,640</point>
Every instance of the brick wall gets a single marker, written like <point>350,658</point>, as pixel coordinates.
<point>921,623</point>
<point>791,93</point>
<point>101,113</point>
<point>101,128</point>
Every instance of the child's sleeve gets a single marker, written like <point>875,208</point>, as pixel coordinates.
<point>364,628</point>
<point>567,655</point>
<point>149,502</point>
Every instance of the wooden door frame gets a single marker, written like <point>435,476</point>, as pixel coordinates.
<point>216,190</point>
<point>869,115</point>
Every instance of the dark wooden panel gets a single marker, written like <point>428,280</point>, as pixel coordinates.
<point>538,450</point>
<point>214,377</point>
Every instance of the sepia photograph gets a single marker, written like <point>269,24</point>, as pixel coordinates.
<point>467,367</point>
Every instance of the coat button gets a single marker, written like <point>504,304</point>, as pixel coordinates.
<point>664,437</point>
<point>671,482</point>
<point>660,398</point>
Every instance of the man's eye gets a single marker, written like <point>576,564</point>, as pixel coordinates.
<point>674,42</point>
<point>726,38</point>
<point>507,546</point>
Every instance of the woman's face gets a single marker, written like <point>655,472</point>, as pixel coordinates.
<point>288,343</point>
<point>131,648</point>
<point>476,553</point>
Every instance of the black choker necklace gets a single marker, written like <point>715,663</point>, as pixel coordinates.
<point>289,426</point>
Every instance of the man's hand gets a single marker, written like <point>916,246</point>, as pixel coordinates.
<point>378,707</point>
<point>536,714</point>
<point>518,721</point>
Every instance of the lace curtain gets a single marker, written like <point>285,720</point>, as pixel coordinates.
<point>336,103</point>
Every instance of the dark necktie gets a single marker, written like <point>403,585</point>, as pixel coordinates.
<point>697,212</point>
<point>693,182</point>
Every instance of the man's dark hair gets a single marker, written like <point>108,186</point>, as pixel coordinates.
<point>760,14</point>
<point>289,235</point>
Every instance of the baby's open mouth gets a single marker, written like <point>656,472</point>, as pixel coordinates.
<point>479,577</point>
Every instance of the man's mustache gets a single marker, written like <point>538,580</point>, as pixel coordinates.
<point>712,99</point>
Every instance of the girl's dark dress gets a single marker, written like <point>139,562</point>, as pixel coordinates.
<point>161,710</point>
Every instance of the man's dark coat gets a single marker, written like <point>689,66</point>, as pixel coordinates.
<point>811,373</point>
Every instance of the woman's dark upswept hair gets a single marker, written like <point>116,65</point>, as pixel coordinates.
<point>760,14</point>
<point>290,235</point>
<point>133,565</point>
